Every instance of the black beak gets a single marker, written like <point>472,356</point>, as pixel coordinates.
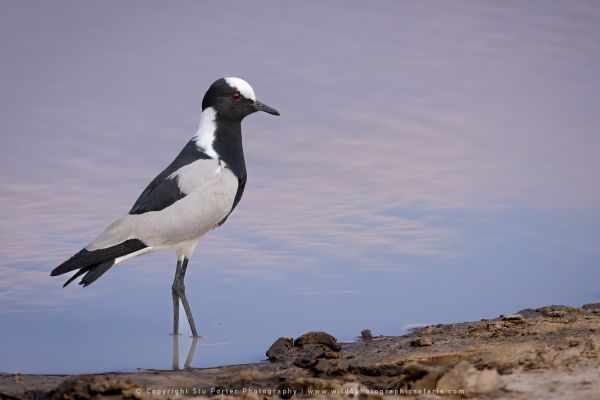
<point>258,106</point>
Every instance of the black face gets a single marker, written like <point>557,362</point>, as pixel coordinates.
<point>230,103</point>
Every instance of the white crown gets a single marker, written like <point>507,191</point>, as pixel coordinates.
<point>241,86</point>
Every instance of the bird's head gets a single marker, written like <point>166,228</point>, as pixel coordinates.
<point>233,98</point>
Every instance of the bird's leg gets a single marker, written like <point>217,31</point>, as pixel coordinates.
<point>175,352</point>
<point>175,292</point>
<point>184,301</point>
<point>190,356</point>
<point>178,290</point>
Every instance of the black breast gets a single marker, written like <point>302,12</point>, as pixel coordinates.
<point>228,145</point>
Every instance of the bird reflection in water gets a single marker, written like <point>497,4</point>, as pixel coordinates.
<point>190,356</point>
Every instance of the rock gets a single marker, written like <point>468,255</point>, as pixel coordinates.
<point>304,362</point>
<point>513,317</point>
<point>366,334</point>
<point>414,370</point>
<point>308,357</point>
<point>465,376</point>
<point>430,380</point>
<point>421,342</point>
<point>288,388</point>
<point>591,306</point>
<point>554,313</point>
<point>279,348</point>
<point>380,369</point>
<point>328,367</point>
<point>73,388</point>
<point>331,354</point>
<point>323,338</point>
<point>494,326</point>
<point>423,376</point>
<point>96,387</point>
<point>529,313</point>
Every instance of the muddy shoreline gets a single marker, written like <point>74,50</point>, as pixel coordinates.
<point>547,353</point>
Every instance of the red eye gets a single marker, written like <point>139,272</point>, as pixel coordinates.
<point>236,96</point>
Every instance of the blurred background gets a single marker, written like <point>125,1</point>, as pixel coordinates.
<point>434,162</point>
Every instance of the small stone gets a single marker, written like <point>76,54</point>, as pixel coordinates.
<point>573,341</point>
<point>513,317</point>
<point>366,334</point>
<point>331,354</point>
<point>279,348</point>
<point>318,338</point>
<point>422,342</point>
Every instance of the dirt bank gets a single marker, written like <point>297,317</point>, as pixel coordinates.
<point>547,353</point>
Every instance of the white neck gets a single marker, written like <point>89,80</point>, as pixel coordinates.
<point>205,136</point>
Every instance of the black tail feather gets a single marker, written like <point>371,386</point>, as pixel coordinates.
<point>78,274</point>
<point>96,272</point>
<point>91,273</point>
<point>86,258</point>
<point>96,262</point>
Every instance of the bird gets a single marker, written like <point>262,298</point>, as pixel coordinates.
<point>193,195</point>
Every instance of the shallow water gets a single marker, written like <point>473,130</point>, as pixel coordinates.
<point>434,162</point>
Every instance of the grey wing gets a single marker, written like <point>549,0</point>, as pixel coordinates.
<point>160,194</point>
<point>164,190</point>
<point>184,204</point>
